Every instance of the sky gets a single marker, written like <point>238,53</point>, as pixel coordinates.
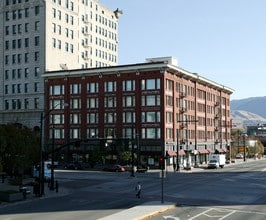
<point>224,41</point>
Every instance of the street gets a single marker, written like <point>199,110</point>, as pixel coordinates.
<point>234,192</point>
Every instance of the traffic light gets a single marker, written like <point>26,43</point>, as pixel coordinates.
<point>161,163</point>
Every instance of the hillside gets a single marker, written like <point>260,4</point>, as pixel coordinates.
<point>256,105</point>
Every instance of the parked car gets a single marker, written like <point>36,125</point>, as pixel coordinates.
<point>114,168</point>
<point>142,169</point>
<point>239,156</point>
<point>74,166</point>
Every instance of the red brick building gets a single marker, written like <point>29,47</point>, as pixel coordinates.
<point>157,107</point>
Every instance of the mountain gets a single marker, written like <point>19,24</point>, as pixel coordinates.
<point>256,105</point>
<point>250,111</point>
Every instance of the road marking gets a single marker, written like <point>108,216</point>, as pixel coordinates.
<point>171,217</point>
<point>202,213</point>
<point>230,213</point>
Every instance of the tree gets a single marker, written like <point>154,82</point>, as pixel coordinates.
<point>19,147</point>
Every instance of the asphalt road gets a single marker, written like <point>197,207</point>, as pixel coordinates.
<point>234,192</point>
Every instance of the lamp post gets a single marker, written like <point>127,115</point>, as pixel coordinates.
<point>132,160</point>
<point>52,165</point>
<point>41,171</point>
<point>244,142</point>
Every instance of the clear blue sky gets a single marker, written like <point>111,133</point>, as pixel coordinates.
<point>222,40</point>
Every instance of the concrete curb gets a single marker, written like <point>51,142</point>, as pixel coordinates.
<point>142,211</point>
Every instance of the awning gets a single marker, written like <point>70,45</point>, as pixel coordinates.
<point>221,150</point>
<point>181,152</point>
<point>171,153</point>
<point>210,150</point>
<point>203,151</point>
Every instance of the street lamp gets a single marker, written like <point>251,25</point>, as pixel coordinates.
<point>132,159</point>
<point>244,140</point>
<point>41,171</point>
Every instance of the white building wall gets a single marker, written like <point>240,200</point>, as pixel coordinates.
<point>91,48</point>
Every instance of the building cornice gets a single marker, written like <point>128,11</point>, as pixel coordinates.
<point>141,67</point>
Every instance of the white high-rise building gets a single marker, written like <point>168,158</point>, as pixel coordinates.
<point>45,35</point>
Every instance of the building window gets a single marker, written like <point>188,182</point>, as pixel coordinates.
<point>19,73</point>
<point>37,10</point>
<point>7,15</point>
<point>53,42</point>
<point>37,26</point>
<point>26,88</point>
<point>26,42</point>
<point>169,133</point>
<point>6,104</point>
<point>26,12</point>
<point>57,90</point>
<point>59,14</point>
<point>27,27</point>
<point>59,44</point>
<point>37,71</point>
<point>71,6</point>
<point>169,100</point>
<point>7,30</point>
<point>19,58</point>
<point>150,117</point>
<point>37,87</point>
<point>92,133</point>
<point>6,45</point>
<point>150,100</point>
<point>13,74</point>
<point>14,104</point>
<point>54,13</point>
<point>110,117</point>
<point>6,74</point>
<point>14,43</point>
<point>7,59</point>
<point>37,41</point>
<point>57,133</point>
<point>36,56</point>
<point>6,89</point>
<point>75,133</point>
<point>75,103</point>
<point>19,88</point>
<point>19,14</point>
<point>110,102</point>
<point>129,85</point>
<point>128,101</point>
<point>129,117</point>
<point>75,118</point>
<point>92,118</point>
<point>150,84</point>
<point>92,102</point>
<point>110,86</point>
<point>14,29</point>
<point>75,88</point>
<point>26,72</point>
<point>26,57</point>
<point>14,15</point>
<point>92,87</point>
<point>26,103</point>
<point>151,133</point>
<point>19,43</point>
<point>66,47</point>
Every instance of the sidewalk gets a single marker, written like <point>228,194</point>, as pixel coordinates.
<point>142,211</point>
<point>30,197</point>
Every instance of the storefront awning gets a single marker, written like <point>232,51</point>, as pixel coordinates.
<point>203,151</point>
<point>181,152</point>
<point>210,150</point>
<point>171,153</point>
<point>221,150</point>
